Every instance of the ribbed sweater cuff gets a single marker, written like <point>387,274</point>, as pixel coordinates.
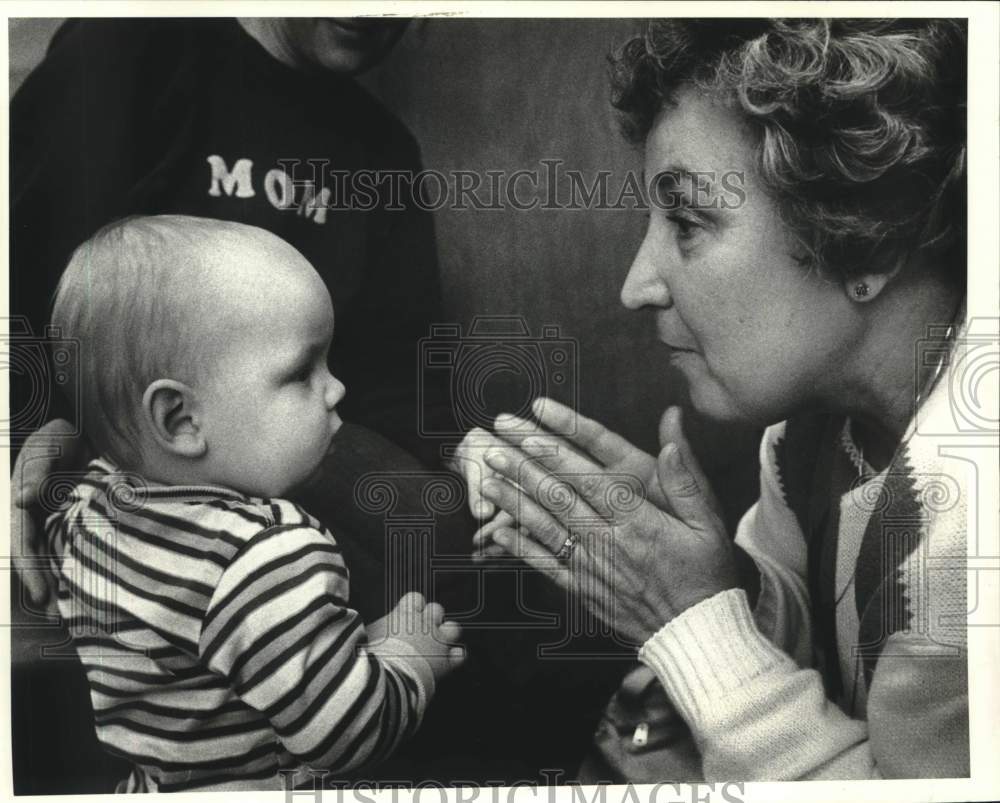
<point>402,657</point>
<point>710,652</point>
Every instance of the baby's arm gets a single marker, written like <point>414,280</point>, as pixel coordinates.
<point>280,630</point>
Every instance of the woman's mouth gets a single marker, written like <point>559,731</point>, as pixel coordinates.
<point>668,339</point>
<point>675,348</point>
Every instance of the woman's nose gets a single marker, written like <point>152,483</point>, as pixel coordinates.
<point>645,286</point>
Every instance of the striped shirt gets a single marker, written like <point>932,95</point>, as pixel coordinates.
<point>217,639</point>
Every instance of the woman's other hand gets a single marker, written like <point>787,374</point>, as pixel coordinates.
<point>646,547</point>
<point>469,458</point>
<point>54,447</point>
<point>469,462</point>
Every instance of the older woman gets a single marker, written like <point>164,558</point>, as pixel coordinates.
<point>796,302</point>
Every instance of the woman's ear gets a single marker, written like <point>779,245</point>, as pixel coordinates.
<point>172,413</point>
<point>865,287</point>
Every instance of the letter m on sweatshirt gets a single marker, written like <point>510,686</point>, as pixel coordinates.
<point>224,180</point>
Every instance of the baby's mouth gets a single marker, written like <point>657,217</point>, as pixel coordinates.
<point>336,422</point>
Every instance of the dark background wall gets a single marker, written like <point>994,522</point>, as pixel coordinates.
<point>504,95</point>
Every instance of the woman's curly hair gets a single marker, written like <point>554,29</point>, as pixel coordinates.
<point>858,125</point>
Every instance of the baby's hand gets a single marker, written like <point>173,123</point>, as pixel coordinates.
<point>422,625</point>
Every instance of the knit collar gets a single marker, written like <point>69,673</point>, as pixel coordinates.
<point>103,475</point>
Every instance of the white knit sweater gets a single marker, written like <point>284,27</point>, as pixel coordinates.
<point>743,680</point>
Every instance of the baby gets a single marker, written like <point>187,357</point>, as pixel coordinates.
<point>210,614</point>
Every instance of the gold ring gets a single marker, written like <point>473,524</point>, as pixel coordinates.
<point>567,548</point>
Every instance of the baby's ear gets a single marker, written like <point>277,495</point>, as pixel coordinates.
<point>171,410</point>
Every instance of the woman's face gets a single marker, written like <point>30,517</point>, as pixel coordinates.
<point>756,334</point>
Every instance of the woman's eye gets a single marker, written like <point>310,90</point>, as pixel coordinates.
<point>303,374</point>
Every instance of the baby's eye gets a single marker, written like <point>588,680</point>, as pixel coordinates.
<point>687,228</point>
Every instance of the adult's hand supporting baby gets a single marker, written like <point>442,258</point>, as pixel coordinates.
<point>52,448</point>
<point>637,562</point>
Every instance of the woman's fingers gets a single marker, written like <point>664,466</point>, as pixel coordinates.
<point>488,552</point>
<point>514,430</point>
<point>483,546</point>
<point>683,491</point>
<point>484,534</point>
<point>672,431</point>
<point>529,513</point>
<point>553,493</point>
<point>540,559</point>
<point>610,494</point>
<point>588,435</point>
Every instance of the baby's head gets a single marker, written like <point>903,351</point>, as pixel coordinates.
<point>203,350</point>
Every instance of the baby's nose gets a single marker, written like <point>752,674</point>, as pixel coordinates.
<point>335,391</point>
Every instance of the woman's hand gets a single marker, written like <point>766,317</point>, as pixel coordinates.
<point>54,447</point>
<point>585,436</point>
<point>601,444</point>
<point>469,461</point>
<point>644,539</point>
<point>605,447</point>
